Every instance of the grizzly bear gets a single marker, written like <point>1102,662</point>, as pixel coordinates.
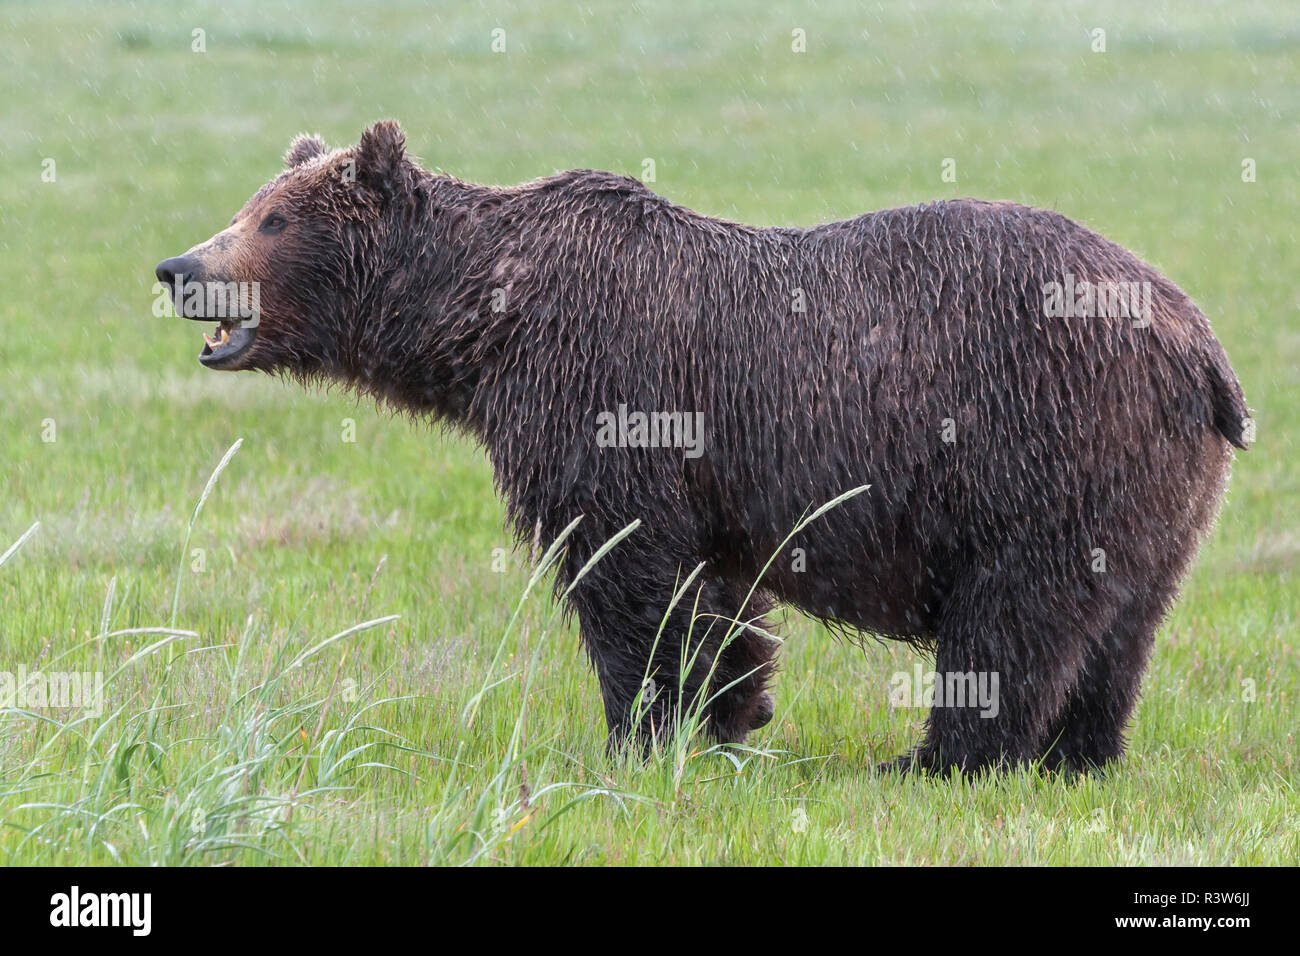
<point>1042,423</point>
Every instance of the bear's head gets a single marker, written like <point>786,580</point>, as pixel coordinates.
<point>287,279</point>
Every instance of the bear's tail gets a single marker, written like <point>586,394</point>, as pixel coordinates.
<point>1227,400</point>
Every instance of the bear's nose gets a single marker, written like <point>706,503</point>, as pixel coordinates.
<point>183,267</point>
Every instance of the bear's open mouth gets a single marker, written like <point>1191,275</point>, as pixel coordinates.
<point>227,345</point>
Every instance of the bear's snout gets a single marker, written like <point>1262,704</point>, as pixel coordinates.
<point>184,268</point>
<point>200,297</point>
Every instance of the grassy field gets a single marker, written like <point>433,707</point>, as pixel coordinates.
<point>457,732</point>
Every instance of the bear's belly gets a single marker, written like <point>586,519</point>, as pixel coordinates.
<point>896,599</point>
<point>897,593</point>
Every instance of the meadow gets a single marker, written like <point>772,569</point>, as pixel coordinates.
<point>339,659</point>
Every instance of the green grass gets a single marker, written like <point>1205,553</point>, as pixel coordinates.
<point>384,746</point>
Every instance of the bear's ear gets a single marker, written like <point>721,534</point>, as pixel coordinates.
<point>379,156</point>
<point>304,148</point>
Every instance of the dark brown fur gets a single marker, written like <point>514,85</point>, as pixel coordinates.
<point>1070,434</point>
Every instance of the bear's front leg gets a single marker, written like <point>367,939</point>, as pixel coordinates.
<point>657,668</point>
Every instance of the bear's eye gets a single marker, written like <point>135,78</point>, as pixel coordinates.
<point>272,223</point>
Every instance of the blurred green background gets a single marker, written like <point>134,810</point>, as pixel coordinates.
<point>156,145</point>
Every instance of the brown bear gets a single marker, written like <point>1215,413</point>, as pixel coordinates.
<point>1042,420</point>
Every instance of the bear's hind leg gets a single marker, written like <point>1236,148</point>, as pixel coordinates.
<point>1089,732</point>
<point>1004,635</point>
